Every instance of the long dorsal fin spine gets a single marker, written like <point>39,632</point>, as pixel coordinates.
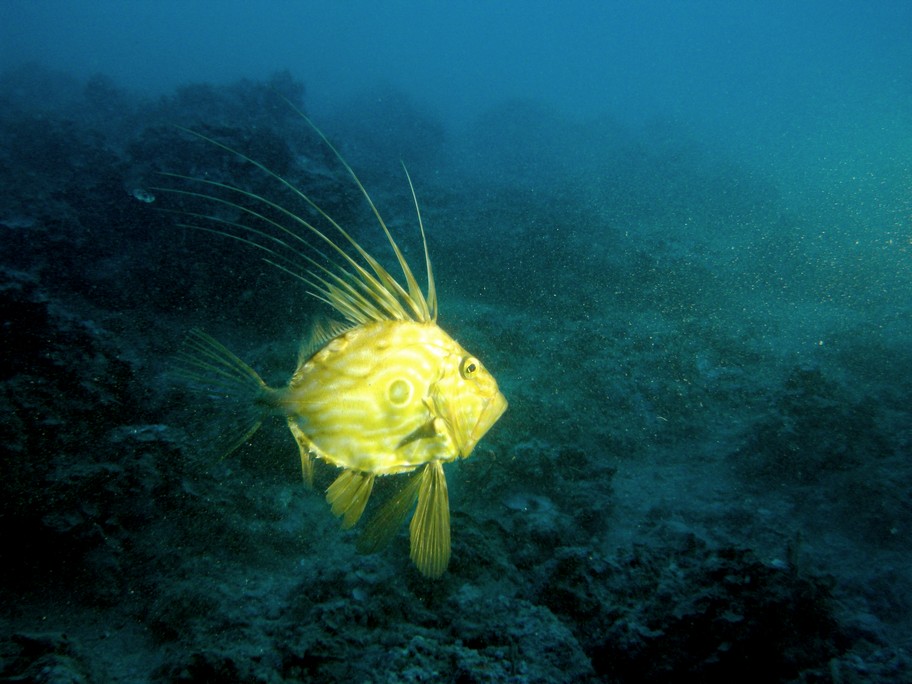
<point>431,298</point>
<point>407,304</point>
<point>344,297</point>
<point>415,298</point>
<point>379,288</point>
<point>360,279</point>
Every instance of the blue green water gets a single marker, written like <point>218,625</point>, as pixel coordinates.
<point>679,235</point>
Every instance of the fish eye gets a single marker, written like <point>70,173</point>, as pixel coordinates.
<point>469,367</point>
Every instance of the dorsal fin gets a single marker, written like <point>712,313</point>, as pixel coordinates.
<point>355,284</point>
<point>321,331</point>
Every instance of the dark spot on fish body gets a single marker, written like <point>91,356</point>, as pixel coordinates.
<point>399,392</point>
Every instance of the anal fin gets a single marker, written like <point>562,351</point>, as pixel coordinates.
<point>429,530</point>
<point>386,521</point>
<point>348,495</point>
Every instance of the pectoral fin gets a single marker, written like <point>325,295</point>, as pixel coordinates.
<point>430,527</point>
<point>348,495</point>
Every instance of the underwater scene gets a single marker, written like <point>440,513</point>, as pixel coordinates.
<point>498,342</point>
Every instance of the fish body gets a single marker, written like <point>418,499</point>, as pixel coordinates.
<point>386,392</point>
<point>388,396</point>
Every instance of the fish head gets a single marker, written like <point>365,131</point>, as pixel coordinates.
<point>466,400</point>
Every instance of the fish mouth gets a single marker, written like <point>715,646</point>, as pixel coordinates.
<point>489,415</point>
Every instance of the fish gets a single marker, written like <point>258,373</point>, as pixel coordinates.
<point>383,392</point>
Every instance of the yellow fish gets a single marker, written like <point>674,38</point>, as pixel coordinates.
<point>386,392</point>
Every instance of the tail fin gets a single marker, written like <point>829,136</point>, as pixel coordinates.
<point>209,368</point>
